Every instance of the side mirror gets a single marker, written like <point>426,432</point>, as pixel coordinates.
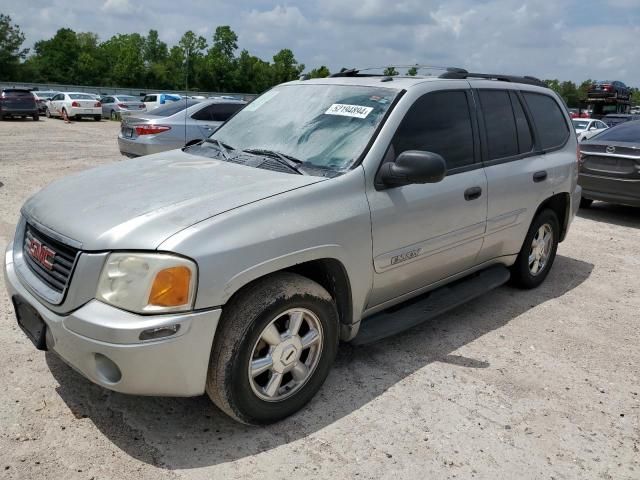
<point>413,166</point>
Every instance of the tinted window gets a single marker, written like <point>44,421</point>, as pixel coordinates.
<point>582,124</point>
<point>438,122</point>
<point>81,96</point>
<point>217,112</point>
<point>626,132</point>
<point>150,98</point>
<point>525,139</point>
<point>502,137</point>
<point>107,100</point>
<point>171,108</point>
<point>127,98</point>
<point>549,120</point>
<point>17,93</point>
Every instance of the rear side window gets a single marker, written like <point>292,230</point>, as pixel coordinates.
<point>502,136</point>
<point>525,139</point>
<point>627,132</point>
<point>217,112</point>
<point>438,122</point>
<point>150,98</point>
<point>550,122</point>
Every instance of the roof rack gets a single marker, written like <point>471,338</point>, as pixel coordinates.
<point>450,72</point>
<point>357,72</point>
<point>462,73</point>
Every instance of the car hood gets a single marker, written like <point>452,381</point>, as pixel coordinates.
<point>137,204</point>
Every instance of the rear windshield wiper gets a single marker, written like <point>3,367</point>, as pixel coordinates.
<point>292,162</point>
<point>223,147</point>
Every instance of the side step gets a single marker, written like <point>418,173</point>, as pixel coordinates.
<point>428,306</point>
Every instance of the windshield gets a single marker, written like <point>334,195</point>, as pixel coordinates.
<point>627,132</point>
<point>580,125</point>
<point>327,126</point>
<point>172,108</point>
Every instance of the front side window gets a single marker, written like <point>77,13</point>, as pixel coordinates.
<point>438,122</point>
<point>323,125</point>
<point>548,118</point>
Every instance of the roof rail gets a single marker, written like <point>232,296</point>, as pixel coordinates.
<point>463,74</point>
<point>357,72</point>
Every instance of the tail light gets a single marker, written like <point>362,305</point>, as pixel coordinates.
<point>123,105</point>
<point>75,104</point>
<point>151,129</point>
<point>97,104</point>
<point>607,88</point>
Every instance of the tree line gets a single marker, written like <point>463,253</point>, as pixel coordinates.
<point>135,60</point>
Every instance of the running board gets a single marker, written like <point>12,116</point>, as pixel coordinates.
<point>425,307</point>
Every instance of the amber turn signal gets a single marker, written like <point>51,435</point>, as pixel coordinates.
<point>171,287</point>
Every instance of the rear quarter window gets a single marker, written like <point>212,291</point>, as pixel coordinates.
<point>548,118</point>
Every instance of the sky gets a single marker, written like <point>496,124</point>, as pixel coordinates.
<point>564,39</point>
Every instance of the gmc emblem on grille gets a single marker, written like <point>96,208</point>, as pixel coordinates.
<point>41,253</point>
<point>611,149</point>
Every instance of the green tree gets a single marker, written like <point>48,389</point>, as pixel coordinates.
<point>219,68</point>
<point>285,67</point>
<point>390,71</point>
<point>56,59</point>
<point>412,72</point>
<point>320,72</point>
<point>192,47</point>
<point>11,40</point>
<point>252,75</point>
<point>155,50</point>
<point>124,60</point>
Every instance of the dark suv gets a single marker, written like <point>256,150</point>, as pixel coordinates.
<point>17,102</point>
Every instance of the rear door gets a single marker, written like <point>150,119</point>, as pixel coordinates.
<point>524,134</point>
<point>424,233</point>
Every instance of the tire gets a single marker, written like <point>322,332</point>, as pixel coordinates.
<point>97,118</point>
<point>523,272</point>
<point>36,117</point>
<point>240,338</point>
<point>113,115</point>
<point>77,118</point>
<point>585,202</point>
<point>47,113</point>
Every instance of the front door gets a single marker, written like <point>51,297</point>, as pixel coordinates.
<point>425,233</point>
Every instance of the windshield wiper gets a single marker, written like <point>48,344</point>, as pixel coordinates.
<point>223,147</point>
<point>292,162</point>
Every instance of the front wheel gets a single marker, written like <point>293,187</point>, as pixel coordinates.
<point>538,251</point>
<point>273,349</point>
<point>47,113</point>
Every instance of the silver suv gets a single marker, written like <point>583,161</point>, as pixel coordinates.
<point>235,266</point>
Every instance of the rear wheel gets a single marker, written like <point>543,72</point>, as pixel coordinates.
<point>585,202</point>
<point>36,117</point>
<point>47,113</point>
<point>97,118</point>
<point>113,115</point>
<point>538,251</point>
<point>273,349</point>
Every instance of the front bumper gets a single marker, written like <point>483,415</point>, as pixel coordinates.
<point>96,336</point>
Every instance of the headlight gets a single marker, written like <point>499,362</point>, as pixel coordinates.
<point>148,282</point>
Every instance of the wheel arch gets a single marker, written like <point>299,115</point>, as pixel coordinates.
<point>330,273</point>
<point>560,203</point>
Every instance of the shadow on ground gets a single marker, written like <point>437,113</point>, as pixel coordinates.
<point>621,215</point>
<point>190,432</point>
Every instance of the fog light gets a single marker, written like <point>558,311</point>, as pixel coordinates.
<point>106,369</point>
<point>160,332</point>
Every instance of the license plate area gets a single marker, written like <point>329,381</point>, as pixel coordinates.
<point>31,323</point>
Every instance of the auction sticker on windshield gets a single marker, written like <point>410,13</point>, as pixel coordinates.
<point>344,110</point>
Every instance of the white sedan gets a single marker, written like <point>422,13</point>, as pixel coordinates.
<point>588,127</point>
<point>75,104</point>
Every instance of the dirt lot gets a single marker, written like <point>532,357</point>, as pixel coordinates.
<point>538,384</point>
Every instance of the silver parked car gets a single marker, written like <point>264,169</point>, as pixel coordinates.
<point>174,125</point>
<point>236,265</point>
<point>119,106</point>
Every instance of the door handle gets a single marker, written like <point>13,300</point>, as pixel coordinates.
<point>472,193</point>
<point>540,176</point>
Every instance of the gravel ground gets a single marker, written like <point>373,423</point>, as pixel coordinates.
<point>537,384</point>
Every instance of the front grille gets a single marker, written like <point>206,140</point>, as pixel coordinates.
<point>64,258</point>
